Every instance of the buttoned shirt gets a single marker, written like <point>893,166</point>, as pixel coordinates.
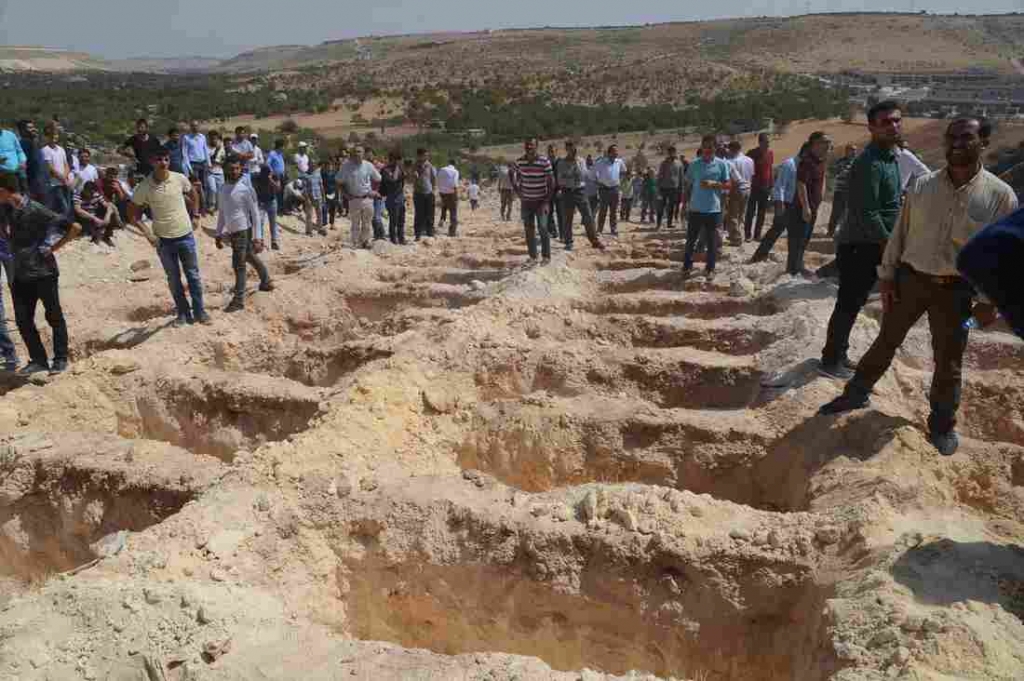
<point>784,189</point>
<point>938,218</point>
<point>702,199</point>
<point>238,210</point>
<point>357,178</point>
<point>275,160</point>
<point>447,180</point>
<point>743,166</point>
<point>570,174</point>
<point>607,171</point>
<point>195,147</point>
<point>873,197</point>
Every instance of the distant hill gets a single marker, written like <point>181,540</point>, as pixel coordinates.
<point>46,59</point>
<point>169,65</point>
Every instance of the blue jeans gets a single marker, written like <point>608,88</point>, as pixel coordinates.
<point>214,181</point>
<point>535,220</point>
<point>181,254</point>
<point>7,350</point>
<point>58,199</point>
<point>698,224</point>
<point>396,217</point>
<point>269,209</point>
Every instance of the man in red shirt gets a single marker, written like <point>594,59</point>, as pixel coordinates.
<point>760,185</point>
<point>810,187</point>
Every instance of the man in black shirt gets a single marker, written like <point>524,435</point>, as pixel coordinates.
<point>141,146</point>
<point>34,233</point>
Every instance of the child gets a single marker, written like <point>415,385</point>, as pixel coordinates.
<point>474,195</point>
<point>626,194</point>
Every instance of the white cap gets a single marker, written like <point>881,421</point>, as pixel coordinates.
<point>254,136</point>
<point>303,144</point>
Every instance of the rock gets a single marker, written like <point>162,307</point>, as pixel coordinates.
<point>625,519</point>
<point>901,656</point>
<point>218,575</point>
<point>742,288</point>
<point>152,596</point>
<point>342,486</point>
<point>203,615</point>
<point>827,536</point>
<point>438,400</point>
<point>368,484</point>
<point>123,365</point>
<point>477,285</point>
<point>562,513</point>
<point>140,265</point>
<point>262,503</point>
<point>225,543</point>
<point>154,668</point>
<point>740,534</point>
<point>587,508</point>
<point>212,650</point>
<point>533,332</point>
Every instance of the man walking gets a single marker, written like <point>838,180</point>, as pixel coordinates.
<point>841,184</point>
<point>356,178</point>
<point>267,190</point>
<point>783,195</point>
<point>918,274</point>
<point>448,188</point>
<point>760,186</point>
<point>554,206</point>
<point>172,201</point>
<point>534,182</point>
<point>571,179</point>
<point>505,191</point>
<point>736,206</point>
<point>872,206</point>
<point>239,221</point>
<point>424,179</point>
<point>670,186</point>
<point>706,179</point>
<point>33,233</point>
<point>141,146</point>
<point>608,172</point>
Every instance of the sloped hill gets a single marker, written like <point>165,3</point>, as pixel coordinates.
<point>46,59</point>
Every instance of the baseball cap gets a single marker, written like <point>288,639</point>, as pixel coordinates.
<point>303,144</point>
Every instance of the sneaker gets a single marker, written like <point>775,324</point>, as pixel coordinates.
<point>848,401</point>
<point>568,248</point>
<point>11,365</point>
<point>181,321</point>
<point>33,368</point>
<point>275,246</point>
<point>545,261</point>
<point>945,443</point>
<point>59,366</point>
<point>204,319</point>
<point>267,287</point>
<point>837,370</point>
<point>236,305</point>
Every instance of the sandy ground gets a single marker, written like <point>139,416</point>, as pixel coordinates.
<point>439,461</point>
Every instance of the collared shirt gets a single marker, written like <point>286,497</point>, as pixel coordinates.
<point>841,174</point>
<point>34,229</point>
<point>275,160</point>
<point>426,175</point>
<point>89,173</point>
<point>764,161</point>
<point>167,201</point>
<point>447,179</point>
<point>504,180</point>
<point>195,147</point>
<point>608,171</point>
<point>671,174</point>
<point>703,200</point>
<point>257,159</point>
<point>238,210</point>
<point>784,189</point>
<point>911,167</point>
<point>357,178</point>
<point>938,218</point>
<point>179,162</point>
<point>811,172</point>
<point>534,179</point>
<point>473,192</point>
<point>11,151</point>
<point>743,167</point>
<point>572,174</point>
<point>302,162</point>
<point>873,197</point>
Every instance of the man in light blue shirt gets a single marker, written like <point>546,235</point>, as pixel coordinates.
<point>275,159</point>
<point>608,171</point>
<point>706,179</point>
<point>783,194</point>
<point>12,155</point>
<point>196,152</point>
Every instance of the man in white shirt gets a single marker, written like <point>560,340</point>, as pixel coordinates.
<point>239,221</point>
<point>301,159</point>
<point>448,188</point>
<point>59,177</point>
<point>257,160</point>
<point>607,172</point>
<point>242,148</point>
<point>911,167</point>
<point>742,171</point>
<point>355,180</point>
<point>87,172</point>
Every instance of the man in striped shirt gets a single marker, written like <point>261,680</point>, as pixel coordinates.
<point>534,182</point>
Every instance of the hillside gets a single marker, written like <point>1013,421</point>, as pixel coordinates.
<point>46,59</point>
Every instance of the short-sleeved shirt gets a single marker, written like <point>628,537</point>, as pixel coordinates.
<point>425,177</point>
<point>358,178</point>
<point>56,159</point>
<point>570,173</point>
<point>703,200</point>
<point>764,161</point>
<point>94,205</point>
<point>504,181</point>
<point>473,192</point>
<point>302,162</point>
<point>811,172</point>
<point>744,171</point>
<point>243,147</point>
<point>532,178</point>
<point>143,149</point>
<point>167,201</point>
<point>608,170</point>
<point>316,185</point>
<point>447,180</point>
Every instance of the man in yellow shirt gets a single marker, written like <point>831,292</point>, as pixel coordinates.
<point>172,201</point>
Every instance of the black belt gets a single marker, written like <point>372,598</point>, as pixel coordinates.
<point>938,279</point>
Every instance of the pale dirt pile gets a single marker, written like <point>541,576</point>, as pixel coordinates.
<point>502,472</point>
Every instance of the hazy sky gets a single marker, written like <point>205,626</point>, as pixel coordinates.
<point>222,28</point>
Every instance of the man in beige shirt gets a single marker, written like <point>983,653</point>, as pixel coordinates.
<point>918,274</point>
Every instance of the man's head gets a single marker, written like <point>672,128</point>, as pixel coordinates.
<point>590,160</point>
<point>52,133</point>
<point>254,138</point>
<point>570,149</point>
<point>734,149</point>
<point>850,151</point>
<point>672,152</point>
<point>394,156</point>
<point>356,153</point>
<point>142,126</point>
<point>214,137</point>
<point>9,186</point>
<point>368,154</point>
<point>421,155</point>
<point>232,168</point>
<point>160,159</point>
<point>27,129</point>
<point>279,144</point>
<point>764,141</point>
<point>240,133</point>
<point>193,127</point>
<point>885,122</point>
<point>966,138</point>
<point>303,147</point>
<point>88,190</point>
<point>173,134</point>
<point>708,144</point>
<point>613,151</point>
<point>84,156</point>
<point>820,144</point>
<point>530,147</point>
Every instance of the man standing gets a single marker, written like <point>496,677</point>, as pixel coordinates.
<point>448,188</point>
<point>275,160</point>
<point>267,190</point>
<point>215,180</point>
<point>257,160</point>
<point>760,186</point>
<point>239,221</point>
<point>571,177</point>
<point>841,185</point>
<point>60,180</point>
<point>743,169</point>
<point>534,182</point>
<point>12,156</point>
<point>356,179</point>
<point>423,195</point>
<point>172,202</point>
<point>670,186</point>
<point>301,159</point>
<point>35,167</point>
<point>608,172</point>
<point>505,191</point>
<point>33,234</point>
<point>918,274</point>
<point>197,153</point>
<point>590,186</point>
<point>243,148</point>
<point>783,195</point>
<point>141,146</point>
<point>555,206</point>
<point>179,162</point>
<point>392,186</point>
<point>706,179</point>
<point>810,188</point>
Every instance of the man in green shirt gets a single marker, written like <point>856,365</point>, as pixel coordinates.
<point>873,204</point>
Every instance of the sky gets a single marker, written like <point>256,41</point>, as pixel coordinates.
<point>222,28</point>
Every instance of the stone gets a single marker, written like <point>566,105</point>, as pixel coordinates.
<point>218,575</point>
<point>562,513</point>
<point>225,543</point>
<point>342,486</point>
<point>203,615</point>
<point>123,365</point>
<point>477,285</point>
<point>901,656</point>
<point>438,400</point>
<point>140,265</point>
<point>368,484</point>
<point>742,288</point>
<point>152,596</point>
<point>625,519</point>
<point>213,650</point>
<point>827,536</point>
<point>740,534</point>
<point>110,545</point>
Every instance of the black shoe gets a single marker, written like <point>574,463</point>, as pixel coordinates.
<point>837,370</point>
<point>545,261</point>
<point>946,443</point>
<point>59,366</point>
<point>204,319</point>
<point>181,321</point>
<point>33,368</point>
<point>236,305</point>
<point>568,248</point>
<point>267,287</point>
<point>11,365</point>
<point>108,241</point>
<point>275,246</point>
<point>848,401</point>
<point>598,244</point>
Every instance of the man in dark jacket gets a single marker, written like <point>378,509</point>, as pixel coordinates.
<point>992,262</point>
<point>33,234</point>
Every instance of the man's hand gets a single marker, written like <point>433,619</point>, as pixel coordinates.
<point>808,216</point>
<point>219,242</point>
<point>196,223</point>
<point>985,313</point>
<point>887,287</point>
<point>257,245</point>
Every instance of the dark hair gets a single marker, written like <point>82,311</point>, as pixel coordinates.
<point>173,130</point>
<point>239,128</point>
<point>985,126</point>
<point>452,161</point>
<point>709,138</point>
<point>23,124</point>
<point>232,159</point>
<point>279,143</point>
<point>804,148</point>
<point>610,147</point>
<point>735,144</point>
<point>89,187</point>
<point>882,107</point>
<point>143,121</point>
<point>159,152</point>
<point>421,150</point>
<point>9,182</point>
<point>671,148</point>
<point>49,128</point>
<point>816,136</point>
<point>763,136</point>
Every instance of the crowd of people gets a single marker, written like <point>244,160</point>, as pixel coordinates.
<point>897,224</point>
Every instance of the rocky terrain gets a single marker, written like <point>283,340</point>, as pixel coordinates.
<point>438,462</point>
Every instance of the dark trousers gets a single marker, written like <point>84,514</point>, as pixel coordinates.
<point>8,352</point>
<point>333,209</point>
<point>396,217</point>
<point>948,306</point>
<point>758,205</point>
<point>698,225</point>
<point>798,233</point>
<point>506,204</point>
<point>201,172</point>
<point>242,253</point>
<point>647,209</point>
<point>838,216</point>
<point>423,215</point>
<point>450,206</point>
<point>627,208</point>
<point>779,223</point>
<point>858,265</point>
<point>668,201</point>
<point>595,202</point>
<point>571,201</point>
<point>535,215</point>
<point>26,294</point>
<point>555,217</point>
<point>609,197</point>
